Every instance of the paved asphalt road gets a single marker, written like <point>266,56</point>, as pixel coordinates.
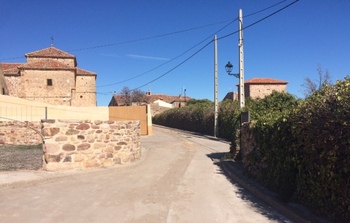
<point>177,180</point>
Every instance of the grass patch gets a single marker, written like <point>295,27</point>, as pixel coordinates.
<point>27,147</point>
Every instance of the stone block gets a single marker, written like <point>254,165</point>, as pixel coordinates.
<point>79,158</point>
<point>51,148</point>
<point>117,160</point>
<point>84,146</point>
<point>50,131</point>
<point>83,126</point>
<point>53,158</point>
<point>61,138</point>
<point>67,159</point>
<point>72,132</point>
<point>91,164</point>
<point>68,147</point>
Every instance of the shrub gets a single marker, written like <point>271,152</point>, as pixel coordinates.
<point>322,126</point>
<point>196,116</point>
<point>272,161</point>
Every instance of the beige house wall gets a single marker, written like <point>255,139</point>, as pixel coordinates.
<point>67,89</point>
<point>262,90</point>
<point>71,86</point>
<point>13,85</point>
<point>85,94</point>
<point>34,86</point>
<point>3,86</point>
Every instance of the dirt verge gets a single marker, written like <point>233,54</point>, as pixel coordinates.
<point>14,158</point>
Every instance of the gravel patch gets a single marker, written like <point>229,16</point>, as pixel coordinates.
<point>14,158</point>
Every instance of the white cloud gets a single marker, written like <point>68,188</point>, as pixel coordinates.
<point>109,55</point>
<point>146,57</point>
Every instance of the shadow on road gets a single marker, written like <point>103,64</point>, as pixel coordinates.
<point>244,194</point>
<point>261,198</point>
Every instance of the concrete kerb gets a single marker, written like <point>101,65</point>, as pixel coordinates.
<point>237,176</point>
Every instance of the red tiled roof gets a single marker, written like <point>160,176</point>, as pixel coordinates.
<point>50,52</point>
<point>46,65</point>
<point>264,81</point>
<point>85,72</point>
<point>118,99</point>
<point>10,68</point>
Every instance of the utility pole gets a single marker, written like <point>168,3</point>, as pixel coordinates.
<point>241,60</point>
<point>215,85</point>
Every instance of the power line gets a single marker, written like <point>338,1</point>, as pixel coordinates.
<point>170,33</point>
<point>184,61</point>
<point>254,23</point>
<point>260,20</point>
<point>151,37</point>
<point>202,48</point>
<point>148,38</point>
<point>135,40</point>
<point>132,78</point>
<point>264,9</point>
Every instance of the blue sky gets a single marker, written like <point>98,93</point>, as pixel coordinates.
<point>121,40</point>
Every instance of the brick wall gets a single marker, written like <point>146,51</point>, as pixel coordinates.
<point>87,144</point>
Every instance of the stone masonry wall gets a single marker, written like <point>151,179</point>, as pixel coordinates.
<point>72,144</point>
<point>34,86</point>
<point>20,133</point>
<point>85,91</point>
<point>260,91</point>
<point>247,142</point>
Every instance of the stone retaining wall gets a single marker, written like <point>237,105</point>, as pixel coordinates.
<point>20,133</point>
<point>77,144</point>
<point>247,142</point>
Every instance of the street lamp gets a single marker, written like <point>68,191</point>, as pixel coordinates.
<point>228,68</point>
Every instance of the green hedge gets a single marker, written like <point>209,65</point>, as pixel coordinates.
<point>272,163</point>
<point>304,148</point>
<point>198,116</point>
<point>322,126</point>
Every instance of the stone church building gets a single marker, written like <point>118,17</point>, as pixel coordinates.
<point>50,75</point>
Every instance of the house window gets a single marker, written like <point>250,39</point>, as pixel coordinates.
<point>81,96</point>
<point>49,82</point>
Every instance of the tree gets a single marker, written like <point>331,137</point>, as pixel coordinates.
<point>126,95</point>
<point>310,86</point>
<point>131,96</point>
<point>138,96</point>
